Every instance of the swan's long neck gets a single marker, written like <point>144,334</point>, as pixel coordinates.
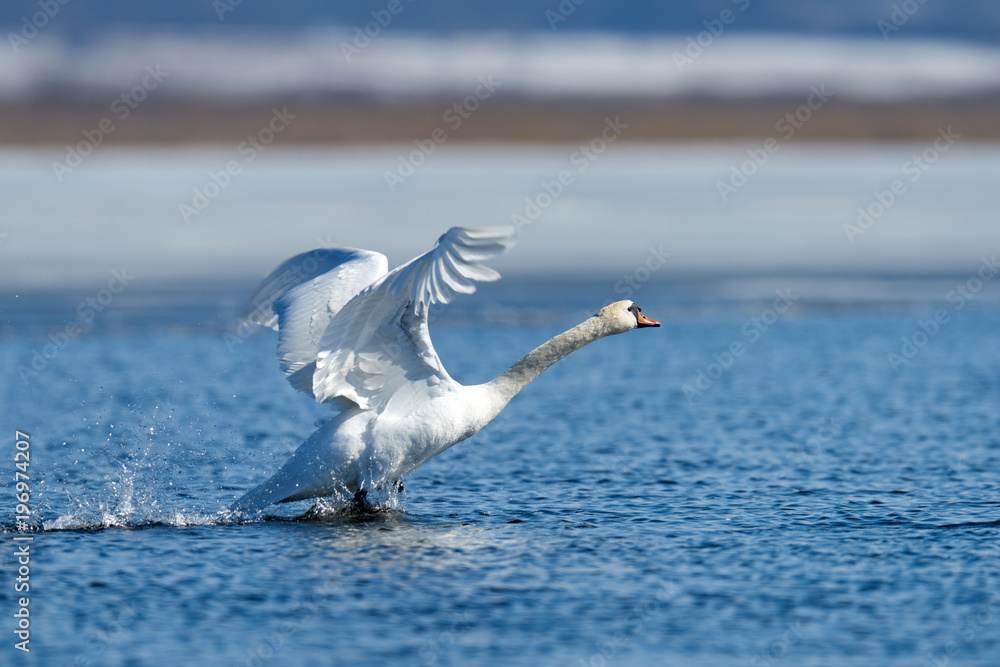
<point>518,376</point>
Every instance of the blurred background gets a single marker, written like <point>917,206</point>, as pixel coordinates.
<point>199,143</point>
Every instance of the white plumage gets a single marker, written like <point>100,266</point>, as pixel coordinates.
<point>353,335</point>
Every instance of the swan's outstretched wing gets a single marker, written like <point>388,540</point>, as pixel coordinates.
<point>377,351</point>
<point>300,297</point>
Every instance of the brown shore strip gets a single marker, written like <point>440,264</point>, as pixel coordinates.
<point>364,120</point>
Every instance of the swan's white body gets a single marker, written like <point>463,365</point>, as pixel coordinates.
<point>353,335</point>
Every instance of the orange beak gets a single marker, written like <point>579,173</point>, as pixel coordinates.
<point>645,321</point>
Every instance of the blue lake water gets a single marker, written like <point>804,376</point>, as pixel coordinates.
<point>802,503</point>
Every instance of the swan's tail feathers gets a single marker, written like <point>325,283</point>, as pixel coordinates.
<point>296,480</point>
<point>253,501</point>
<point>270,492</point>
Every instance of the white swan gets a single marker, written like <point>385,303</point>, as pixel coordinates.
<point>351,334</point>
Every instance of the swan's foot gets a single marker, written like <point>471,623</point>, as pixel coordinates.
<point>321,510</point>
<point>360,502</point>
<point>314,512</point>
<point>399,487</point>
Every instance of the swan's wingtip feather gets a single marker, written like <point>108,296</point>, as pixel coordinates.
<point>504,235</point>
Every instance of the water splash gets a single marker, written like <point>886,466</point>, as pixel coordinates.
<point>146,468</point>
<point>126,503</point>
<point>127,481</point>
<point>121,505</point>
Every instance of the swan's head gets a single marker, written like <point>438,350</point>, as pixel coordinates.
<point>622,316</point>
